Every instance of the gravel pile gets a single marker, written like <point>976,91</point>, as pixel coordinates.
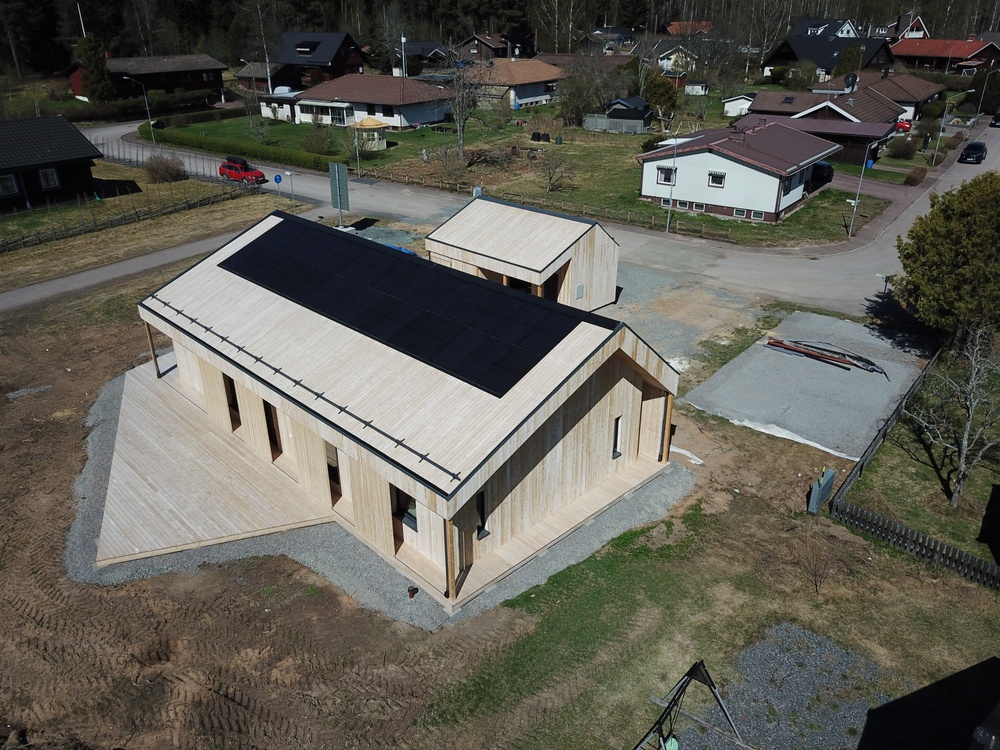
<point>796,690</point>
<point>332,551</point>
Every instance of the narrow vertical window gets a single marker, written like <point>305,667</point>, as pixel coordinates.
<point>273,433</point>
<point>617,440</point>
<point>232,402</point>
<point>404,507</point>
<point>333,471</point>
<point>481,531</point>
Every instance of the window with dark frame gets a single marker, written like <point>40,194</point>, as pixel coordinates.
<point>404,507</point>
<point>665,175</point>
<point>387,110</point>
<point>8,185</point>
<point>48,178</point>
<point>616,442</point>
<point>481,531</point>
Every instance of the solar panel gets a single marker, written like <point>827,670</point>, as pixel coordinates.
<point>477,331</point>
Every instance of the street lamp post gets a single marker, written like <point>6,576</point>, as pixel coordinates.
<point>291,189</point>
<point>982,96</point>
<point>673,179</point>
<point>402,53</point>
<point>145,99</point>
<point>944,116</point>
<point>253,79</point>
<point>857,197</point>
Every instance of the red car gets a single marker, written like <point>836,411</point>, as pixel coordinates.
<point>240,170</point>
<point>903,126</point>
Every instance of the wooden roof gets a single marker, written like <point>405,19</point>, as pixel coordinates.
<point>526,237</point>
<point>420,418</point>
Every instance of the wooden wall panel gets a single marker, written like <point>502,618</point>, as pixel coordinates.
<point>372,509</point>
<point>429,538</point>
<point>310,456</point>
<point>189,371</point>
<point>654,404</point>
<point>215,395</point>
<point>254,429</point>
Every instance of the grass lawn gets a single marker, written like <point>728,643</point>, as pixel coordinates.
<point>60,258</point>
<point>875,173</point>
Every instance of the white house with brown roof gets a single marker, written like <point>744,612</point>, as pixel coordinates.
<point>561,258</point>
<point>907,91</point>
<point>524,82</point>
<point>396,102</point>
<point>455,426</point>
<point>756,173</point>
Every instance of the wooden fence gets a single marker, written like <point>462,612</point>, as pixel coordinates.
<point>618,216</point>
<point>899,535</point>
<point>127,215</point>
<point>927,548</point>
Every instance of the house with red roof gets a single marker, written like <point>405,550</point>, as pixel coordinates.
<point>946,55</point>
<point>757,173</point>
<point>523,82</point>
<point>394,101</point>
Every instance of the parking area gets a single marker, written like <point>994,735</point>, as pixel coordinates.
<point>826,405</point>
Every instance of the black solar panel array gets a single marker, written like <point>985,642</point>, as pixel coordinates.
<point>479,332</point>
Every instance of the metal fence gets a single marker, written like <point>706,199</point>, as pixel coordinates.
<point>615,125</point>
<point>897,534</point>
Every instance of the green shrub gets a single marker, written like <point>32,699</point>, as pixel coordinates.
<point>902,148</point>
<point>915,176</point>
<point>652,143</point>
<point>211,115</point>
<point>160,168</point>
<point>317,140</point>
<point>932,110</point>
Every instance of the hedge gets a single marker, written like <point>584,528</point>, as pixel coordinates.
<point>159,103</point>
<point>212,115</point>
<point>249,149</point>
<point>915,176</point>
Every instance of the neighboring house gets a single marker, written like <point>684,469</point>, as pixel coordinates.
<point>560,258</point>
<point>610,40</point>
<point>318,56</point>
<point>169,73</point>
<point>454,426</point>
<point>696,88</point>
<point>908,91</point>
<point>757,173</point>
<point>737,106</point>
<point>486,47</point>
<point>430,52</point>
<point>672,57</point>
<point>254,77</point>
<point>863,105</point>
<point>396,102</point>
<point>858,140</point>
<point>523,82</point>
<point>686,29</point>
<point>946,55</point>
<point>825,50</point>
<point>825,27</point>
<point>914,28</point>
<point>631,115</point>
<point>43,160</point>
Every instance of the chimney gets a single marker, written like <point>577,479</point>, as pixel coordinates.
<point>850,102</point>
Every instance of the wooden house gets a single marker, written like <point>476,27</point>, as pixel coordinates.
<point>169,73</point>
<point>318,56</point>
<point>455,426</point>
<point>561,258</point>
<point>44,160</point>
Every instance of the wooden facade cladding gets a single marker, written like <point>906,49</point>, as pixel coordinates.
<point>507,243</point>
<point>430,471</point>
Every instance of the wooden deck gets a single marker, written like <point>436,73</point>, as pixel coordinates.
<point>179,482</point>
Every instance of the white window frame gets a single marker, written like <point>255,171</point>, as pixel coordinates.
<point>721,176</point>
<point>757,215</point>
<point>48,174</point>
<point>8,185</point>
<point>682,204</point>
<point>698,207</point>
<point>740,213</point>
<point>665,202</point>
<point>661,179</point>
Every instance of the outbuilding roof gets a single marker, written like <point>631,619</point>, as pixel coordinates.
<point>372,89</point>
<point>432,369</point>
<point>163,64</point>
<point>956,49</point>
<point>43,141</point>
<point>772,147</point>
<point>529,238</point>
<point>504,72</point>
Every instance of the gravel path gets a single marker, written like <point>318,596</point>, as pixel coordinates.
<point>329,549</point>
<point>796,690</point>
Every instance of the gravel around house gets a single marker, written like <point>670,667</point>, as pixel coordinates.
<point>332,551</point>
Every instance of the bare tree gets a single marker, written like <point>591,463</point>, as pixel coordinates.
<point>557,170</point>
<point>958,409</point>
<point>145,16</point>
<point>464,99</point>
<point>389,25</point>
<point>257,125</point>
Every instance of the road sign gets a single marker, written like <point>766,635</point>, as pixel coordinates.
<point>277,179</point>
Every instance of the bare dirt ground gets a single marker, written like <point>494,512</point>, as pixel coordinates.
<point>262,653</point>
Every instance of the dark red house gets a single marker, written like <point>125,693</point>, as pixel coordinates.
<point>169,73</point>
<point>318,56</point>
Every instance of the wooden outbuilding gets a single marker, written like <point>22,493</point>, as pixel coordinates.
<point>561,258</point>
<point>371,134</point>
<point>455,426</point>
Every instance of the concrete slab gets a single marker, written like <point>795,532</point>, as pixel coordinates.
<point>809,401</point>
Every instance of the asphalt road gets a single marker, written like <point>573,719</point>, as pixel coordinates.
<point>843,277</point>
